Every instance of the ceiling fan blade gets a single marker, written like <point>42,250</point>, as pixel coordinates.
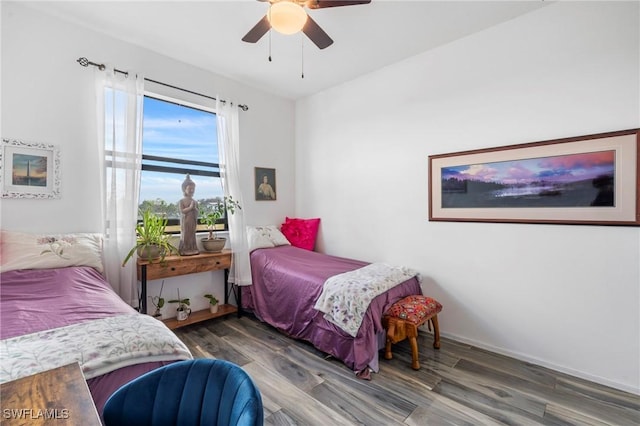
<point>257,31</point>
<point>316,34</point>
<point>320,4</point>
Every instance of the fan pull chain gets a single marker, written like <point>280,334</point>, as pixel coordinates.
<point>270,31</point>
<point>302,55</point>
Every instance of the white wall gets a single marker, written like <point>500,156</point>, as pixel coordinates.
<point>47,97</point>
<point>566,297</point>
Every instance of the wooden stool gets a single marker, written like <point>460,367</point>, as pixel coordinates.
<point>403,319</point>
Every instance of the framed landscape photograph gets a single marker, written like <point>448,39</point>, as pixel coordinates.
<point>582,180</point>
<point>29,170</point>
<point>265,184</point>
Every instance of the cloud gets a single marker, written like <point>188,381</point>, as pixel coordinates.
<point>578,161</point>
<point>518,173</point>
<point>179,123</point>
<point>545,174</point>
<point>479,172</point>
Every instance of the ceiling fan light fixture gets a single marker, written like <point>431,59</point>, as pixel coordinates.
<point>286,17</point>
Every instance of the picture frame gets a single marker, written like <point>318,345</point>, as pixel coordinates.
<point>265,184</point>
<point>29,170</point>
<point>589,180</point>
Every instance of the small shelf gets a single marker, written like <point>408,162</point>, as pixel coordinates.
<point>202,315</point>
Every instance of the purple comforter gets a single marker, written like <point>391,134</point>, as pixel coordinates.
<point>41,299</point>
<point>288,280</point>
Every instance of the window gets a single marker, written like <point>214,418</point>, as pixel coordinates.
<point>178,139</point>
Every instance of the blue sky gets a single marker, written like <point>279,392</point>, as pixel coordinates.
<point>176,131</point>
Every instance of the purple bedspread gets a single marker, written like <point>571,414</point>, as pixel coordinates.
<point>41,299</point>
<point>288,280</point>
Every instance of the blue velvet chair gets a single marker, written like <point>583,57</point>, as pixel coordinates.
<point>194,392</point>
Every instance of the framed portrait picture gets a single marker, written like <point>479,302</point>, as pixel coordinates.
<point>265,184</point>
<point>29,170</point>
<point>589,180</point>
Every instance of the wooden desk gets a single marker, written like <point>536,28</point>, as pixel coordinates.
<point>174,266</point>
<point>59,396</point>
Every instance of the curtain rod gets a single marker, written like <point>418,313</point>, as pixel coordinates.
<point>85,63</point>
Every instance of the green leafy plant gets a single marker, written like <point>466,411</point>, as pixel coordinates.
<point>211,217</point>
<point>151,238</point>
<point>212,299</point>
<point>182,303</point>
<point>158,301</point>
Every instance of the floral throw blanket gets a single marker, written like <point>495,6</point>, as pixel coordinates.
<point>345,297</point>
<point>100,346</point>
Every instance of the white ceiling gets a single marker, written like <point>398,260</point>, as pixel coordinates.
<point>208,34</point>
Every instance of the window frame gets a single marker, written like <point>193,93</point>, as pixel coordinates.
<point>173,225</point>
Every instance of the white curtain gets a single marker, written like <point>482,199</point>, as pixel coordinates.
<point>119,107</point>
<point>229,150</point>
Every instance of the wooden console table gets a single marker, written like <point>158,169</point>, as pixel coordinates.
<point>174,266</point>
<point>59,396</point>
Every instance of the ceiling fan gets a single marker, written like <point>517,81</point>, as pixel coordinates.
<point>289,17</point>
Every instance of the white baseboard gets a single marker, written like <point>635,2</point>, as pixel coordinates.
<point>527,358</point>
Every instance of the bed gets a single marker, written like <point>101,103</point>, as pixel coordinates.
<point>287,285</point>
<point>53,316</point>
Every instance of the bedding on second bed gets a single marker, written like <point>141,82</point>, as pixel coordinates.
<point>287,282</point>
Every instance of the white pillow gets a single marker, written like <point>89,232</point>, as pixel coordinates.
<point>265,237</point>
<point>41,251</point>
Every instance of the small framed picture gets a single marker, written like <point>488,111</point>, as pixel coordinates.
<point>29,170</point>
<point>265,184</point>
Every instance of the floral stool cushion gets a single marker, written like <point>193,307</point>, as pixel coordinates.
<point>404,317</point>
<point>416,309</point>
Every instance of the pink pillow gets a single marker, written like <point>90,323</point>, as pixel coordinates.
<point>301,233</point>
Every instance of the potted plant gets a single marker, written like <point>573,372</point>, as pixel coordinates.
<point>213,303</point>
<point>152,242</point>
<point>183,310</point>
<point>212,242</point>
<point>158,302</point>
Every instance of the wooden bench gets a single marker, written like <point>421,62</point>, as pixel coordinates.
<point>402,319</point>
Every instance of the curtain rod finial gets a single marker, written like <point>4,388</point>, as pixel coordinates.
<point>85,63</point>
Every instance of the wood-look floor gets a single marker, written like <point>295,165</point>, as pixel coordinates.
<point>457,385</point>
